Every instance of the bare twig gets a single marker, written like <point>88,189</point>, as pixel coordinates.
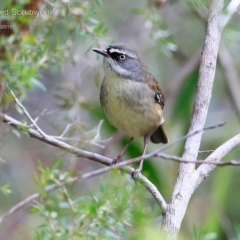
<point>207,162</point>
<point>27,114</point>
<point>69,199</point>
<point>66,130</point>
<point>103,170</point>
<point>43,113</point>
<point>86,154</point>
<point>204,170</point>
<point>52,187</point>
<point>81,153</point>
<point>19,206</point>
<point>92,156</point>
<point>167,157</point>
<point>230,10</point>
<point>205,151</point>
<point>96,140</point>
<point>200,131</point>
<point>53,141</point>
<point>96,157</point>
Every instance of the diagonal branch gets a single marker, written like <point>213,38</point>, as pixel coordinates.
<point>142,179</point>
<point>82,153</point>
<point>211,162</point>
<point>27,114</point>
<point>95,157</point>
<point>86,154</point>
<point>204,170</point>
<point>53,141</point>
<point>227,14</point>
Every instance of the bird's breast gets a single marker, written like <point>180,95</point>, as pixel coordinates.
<point>130,106</point>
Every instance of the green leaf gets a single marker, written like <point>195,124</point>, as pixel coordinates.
<point>5,189</point>
<point>16,133</point>
<point>38,84</point>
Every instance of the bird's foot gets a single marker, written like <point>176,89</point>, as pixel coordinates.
<point>116,160</point>
<point>136,173</point>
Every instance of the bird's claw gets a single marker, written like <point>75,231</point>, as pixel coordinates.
<point>136,173</point>
<point>116,160</point>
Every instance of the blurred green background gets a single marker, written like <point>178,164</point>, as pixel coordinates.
<point>54,72</point>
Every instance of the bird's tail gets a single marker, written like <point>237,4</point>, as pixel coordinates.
<point>159,136</point>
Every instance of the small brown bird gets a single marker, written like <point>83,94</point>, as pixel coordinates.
<point>131,97</point>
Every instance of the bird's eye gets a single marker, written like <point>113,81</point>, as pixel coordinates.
<point>122,57</point>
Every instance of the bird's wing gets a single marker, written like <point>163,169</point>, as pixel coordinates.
<point>154,86</point>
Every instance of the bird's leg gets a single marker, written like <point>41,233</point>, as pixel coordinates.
<point>119,157</point>
<point>139,169</point>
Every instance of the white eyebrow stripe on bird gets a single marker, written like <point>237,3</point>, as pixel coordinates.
<point>121,51</point>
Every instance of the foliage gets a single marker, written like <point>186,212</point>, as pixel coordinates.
<point>158,30</point>
<point>28,52</point>
<point>110,212</point>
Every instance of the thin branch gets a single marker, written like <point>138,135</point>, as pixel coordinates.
<point>66,130</point>
<point>27,114</point>
<point>43,113</point>
<point>217,155</point>
<point>97,172</point>
<point>71,204</point>
<point>99,158</point>
<point>92,156</point>
<point>205,151</point>
<point>166,157</point>
<point>96,140</point>
<point>103,170</point>
<point>86,154</point>
<point>207,162</point>
<point>230,10</point>
<point>19,206</point>
<point>53,141</point>
<point>81,153</point>
<point>189,135</point>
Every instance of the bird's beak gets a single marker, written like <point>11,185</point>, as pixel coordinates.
<point>101,51</point>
